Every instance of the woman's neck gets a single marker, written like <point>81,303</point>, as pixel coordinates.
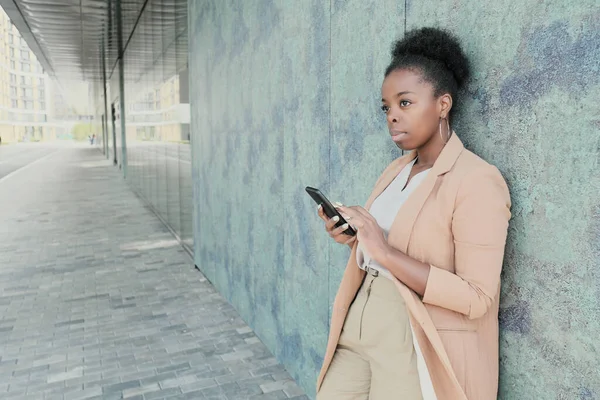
<point>430,151</point>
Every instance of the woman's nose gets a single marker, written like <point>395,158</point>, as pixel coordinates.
<point>392,118</point>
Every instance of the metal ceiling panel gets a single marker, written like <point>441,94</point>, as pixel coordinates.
<point>66,35</point>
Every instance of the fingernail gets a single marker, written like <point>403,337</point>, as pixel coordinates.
<point>336,218</point>
<point>337,203</point>
<point>320,206</point>
<point>345,226</point>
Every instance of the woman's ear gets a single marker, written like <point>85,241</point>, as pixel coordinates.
<point>445,105</point>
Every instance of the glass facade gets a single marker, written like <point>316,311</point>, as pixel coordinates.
<point>157,127</point>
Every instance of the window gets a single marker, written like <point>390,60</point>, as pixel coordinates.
<point>26,67</point>
<point>12,51</point>
<point>25,55</point>
<point>13,78</point>
<point>28,104</point>
<point>12,64</point>
<point>42,93</point>
<point>13,91</point>
<point>11,38</point>
<point>43,105</point>
<point>14,103</point>
<point>29,92</point>
<point>23,80</point>
<point>41,81</point>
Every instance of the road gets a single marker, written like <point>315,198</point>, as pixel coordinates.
<point>16,156</point>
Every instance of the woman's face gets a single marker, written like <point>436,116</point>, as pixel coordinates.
<point>413,112</point>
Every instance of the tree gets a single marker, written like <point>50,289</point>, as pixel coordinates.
<point>81,132</point>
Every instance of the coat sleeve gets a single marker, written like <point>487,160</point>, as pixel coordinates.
<point>479,227</point>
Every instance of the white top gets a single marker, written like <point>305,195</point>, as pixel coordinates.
<point>384,210</point>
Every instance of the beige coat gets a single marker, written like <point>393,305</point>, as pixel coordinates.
<point>456,221</point>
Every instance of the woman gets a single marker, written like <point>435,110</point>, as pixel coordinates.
<point>416,314</point>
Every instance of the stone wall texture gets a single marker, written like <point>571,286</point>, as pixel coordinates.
<point>285,94</point>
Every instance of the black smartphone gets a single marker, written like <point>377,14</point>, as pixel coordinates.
<point>328,208</point>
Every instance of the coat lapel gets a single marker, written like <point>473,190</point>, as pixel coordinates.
<point>388,176</point>
<point>402,226</point>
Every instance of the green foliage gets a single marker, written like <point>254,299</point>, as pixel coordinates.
<point>81,132</point>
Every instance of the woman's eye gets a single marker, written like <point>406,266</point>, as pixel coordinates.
<point>405,103</point>
<point>385,109</point>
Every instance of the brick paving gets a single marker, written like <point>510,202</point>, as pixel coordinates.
<point>98,301</point>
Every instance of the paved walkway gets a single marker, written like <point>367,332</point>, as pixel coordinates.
<point>97,301</point>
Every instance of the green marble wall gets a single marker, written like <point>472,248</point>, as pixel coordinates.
<point>285,94</point>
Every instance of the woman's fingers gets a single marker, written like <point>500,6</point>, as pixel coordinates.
<point>362,212</point>
<point>320,212</point>
<point>352,239</point>
<point>347,212</point>
<point>339,230</point>
<point>331,223</point>
<point>357,216</point>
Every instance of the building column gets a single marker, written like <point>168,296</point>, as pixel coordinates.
<point>121,88</point>
<point>105,117</point>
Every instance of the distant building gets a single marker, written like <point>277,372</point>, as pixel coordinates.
<point>32,107</point>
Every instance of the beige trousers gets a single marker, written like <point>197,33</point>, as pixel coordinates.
<point>375,357</point>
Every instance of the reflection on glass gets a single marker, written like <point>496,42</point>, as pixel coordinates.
<point>157,114</point>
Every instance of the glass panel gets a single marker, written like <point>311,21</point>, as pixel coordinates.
<point>168,104</point>
<point>182,114</point>
<point>158,146</point>
<point>154,9</point>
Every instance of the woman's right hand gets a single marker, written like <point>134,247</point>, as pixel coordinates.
<point>336,233</point>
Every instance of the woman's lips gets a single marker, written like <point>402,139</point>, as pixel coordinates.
<point>398,136</point>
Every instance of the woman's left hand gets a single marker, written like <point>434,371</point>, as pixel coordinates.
<point>369,233</point>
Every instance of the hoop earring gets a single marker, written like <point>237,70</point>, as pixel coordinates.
<point>447,130</point>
